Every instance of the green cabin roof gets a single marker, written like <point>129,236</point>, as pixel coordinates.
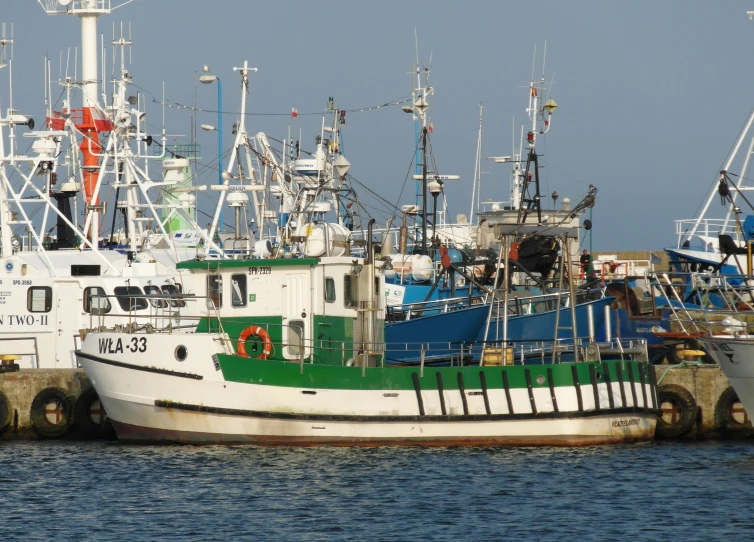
<point>213,265</point>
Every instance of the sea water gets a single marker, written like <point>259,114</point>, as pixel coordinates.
<point>110,491</point>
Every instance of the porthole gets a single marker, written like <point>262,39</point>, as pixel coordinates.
<point>541,379</point>
<point>181,353</point>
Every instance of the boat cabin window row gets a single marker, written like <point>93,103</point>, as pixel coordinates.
<point>239,296</point>
<point>130,298</point>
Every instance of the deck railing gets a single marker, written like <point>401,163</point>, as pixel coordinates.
<point>17,346</point>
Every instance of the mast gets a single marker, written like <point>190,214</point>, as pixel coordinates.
<point>237,198</point>
<point>418,111</point>
<point>540,118</point>
<point>5,232</point>
<point>477,169</point>
<point>424,189</point>
<point>90,119</point>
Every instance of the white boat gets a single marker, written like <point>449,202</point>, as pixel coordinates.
<point>717,238</point>
<point>294,356</point>
<point>735,356</point>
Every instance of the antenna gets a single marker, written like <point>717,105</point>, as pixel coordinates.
<point>428,69</point>
<point>4,42</point>
<point>533,62</point>
<point>544,59</point>
<point>416,44</point>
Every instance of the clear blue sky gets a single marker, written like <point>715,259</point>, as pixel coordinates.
<point>651,94</point>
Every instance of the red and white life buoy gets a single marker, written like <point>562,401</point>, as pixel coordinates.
<point>259,332</point>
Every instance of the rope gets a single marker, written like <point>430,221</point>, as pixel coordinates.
<point>697,363</point>
<point>175,105</point>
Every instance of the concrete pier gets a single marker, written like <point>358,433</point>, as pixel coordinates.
<point>698,402</point>
<point>20,389</point>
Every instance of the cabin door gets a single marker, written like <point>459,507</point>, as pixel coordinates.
<point>296,316</point>
<point>68,310</point>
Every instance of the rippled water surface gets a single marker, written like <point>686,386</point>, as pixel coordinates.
<point>109,491</point>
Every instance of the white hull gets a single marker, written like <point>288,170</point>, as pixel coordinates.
<point>155,398</point>
<point>47,339</point>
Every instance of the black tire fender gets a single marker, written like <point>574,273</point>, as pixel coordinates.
<point>89,426</point>
<point>55,423</point>
<point>6,413</point>
<point>678,411</point>
<point>725,422</point>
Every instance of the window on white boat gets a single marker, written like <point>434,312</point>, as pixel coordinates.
<point>39,299</point>
<point>128,298</point>
<point>151,289</point>
<point>238,290</point>
<point>350,291</point>
<point>295,337</point>
<point>94,304</point>
<point>215,291</point>
<point>171,290</point>
<point>329,289</point>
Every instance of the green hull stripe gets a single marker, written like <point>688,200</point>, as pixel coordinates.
<point>289,374</point>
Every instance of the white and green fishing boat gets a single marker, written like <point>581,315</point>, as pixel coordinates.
<point>290,352</point>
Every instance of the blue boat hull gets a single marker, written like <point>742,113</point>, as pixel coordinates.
<point>441,334</point>
<point>541,326</point>
<point>689,260</point>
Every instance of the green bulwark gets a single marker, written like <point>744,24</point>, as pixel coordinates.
<point>275,373</point>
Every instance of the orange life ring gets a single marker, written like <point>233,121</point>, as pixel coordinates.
<point>259,332</point>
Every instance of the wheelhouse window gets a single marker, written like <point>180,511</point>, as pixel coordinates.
<point>329,289</point>
<point>350,291</point>
<point>238,296</point>
<point>39,299</point>
<point>151,289</point>
<point>94,304</point>
<point>173,291</point>
<point>129,298</point>
<point>215,291</point>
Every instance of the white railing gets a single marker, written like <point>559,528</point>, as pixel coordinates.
<point>707,232</point>
<point>32,354</point>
